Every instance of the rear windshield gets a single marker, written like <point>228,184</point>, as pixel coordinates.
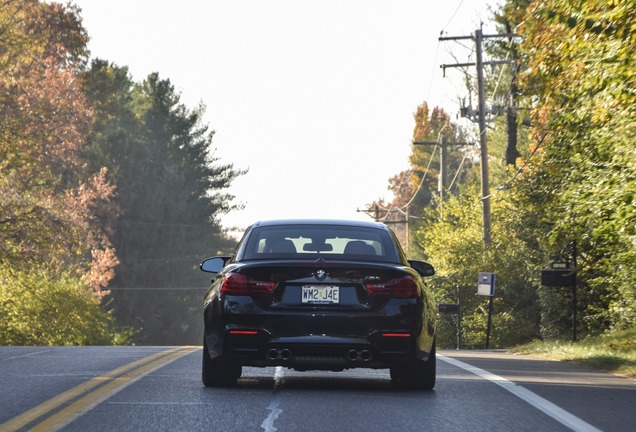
<point>313,242</point>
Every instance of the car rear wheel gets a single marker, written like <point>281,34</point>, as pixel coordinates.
<point>418,374</point>
<point>218,372</point>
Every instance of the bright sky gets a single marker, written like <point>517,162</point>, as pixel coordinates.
<point>314,97</point>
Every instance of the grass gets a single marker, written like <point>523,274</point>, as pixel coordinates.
<point>614,352</point>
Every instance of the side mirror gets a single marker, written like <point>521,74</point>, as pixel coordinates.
<point>422,267</point>
<point>214,265</point>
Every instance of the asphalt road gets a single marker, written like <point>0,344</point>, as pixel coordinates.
<point>159,389</point>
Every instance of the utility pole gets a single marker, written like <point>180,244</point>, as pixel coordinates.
<point>404,210</point>
<point>485,186</point>
<point>443,162</point>
<point>376,211</point>
<point>483,144</point>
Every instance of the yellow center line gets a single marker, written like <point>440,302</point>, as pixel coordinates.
<point>94,398</point>
<point>27,417</point>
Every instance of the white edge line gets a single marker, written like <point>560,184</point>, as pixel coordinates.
<point>27,355</point>
<point>559,414</point>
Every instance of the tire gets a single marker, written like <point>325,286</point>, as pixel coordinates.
<point>417,375</point>
<point>218,372</point>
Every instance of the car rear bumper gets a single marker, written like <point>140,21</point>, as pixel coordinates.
<point>317,339</point>
<point>320,352</point>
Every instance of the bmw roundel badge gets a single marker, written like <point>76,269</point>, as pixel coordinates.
<point>320,274</point>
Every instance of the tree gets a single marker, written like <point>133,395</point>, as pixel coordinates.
<point>581,79</point>
<point>508,19</point>
<point>170,194</point>
<point>425,161</point>
<point>48,203</point>
<point>576,182</point>
<point>415,189</point>
<point>47,200</point>
<point>452,240</point>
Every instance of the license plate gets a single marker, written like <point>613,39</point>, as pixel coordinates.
<point>312,294</point>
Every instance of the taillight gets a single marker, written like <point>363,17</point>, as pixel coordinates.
<point>380,289</point>
<point>404,287</point>
<point>239,284</point>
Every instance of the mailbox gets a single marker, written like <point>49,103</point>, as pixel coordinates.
<point>558,277</point>
<point>449,308</point>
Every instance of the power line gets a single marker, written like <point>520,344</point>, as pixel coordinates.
<point>505,185</point>
<point>421,182</point>
<point>430,84</point>
<point>461,165</point>
<point>405,206</point>
<point>441,186</point>
<point>452,17</point>
<point>159,260</point>
<point>129,222</point>
<point>152,288</point>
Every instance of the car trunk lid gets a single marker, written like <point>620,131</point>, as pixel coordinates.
<point>323,285</point>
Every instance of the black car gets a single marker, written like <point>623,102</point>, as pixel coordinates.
<point>319,295</point>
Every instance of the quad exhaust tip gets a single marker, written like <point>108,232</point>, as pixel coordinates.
<point>285,354</point>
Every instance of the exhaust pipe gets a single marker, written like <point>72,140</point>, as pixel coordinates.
<point>356,355</point>
<point>273,354</point>
<point>279,354</point>
<point>285,354</point>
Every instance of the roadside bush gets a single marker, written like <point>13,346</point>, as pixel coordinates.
<point>452,240</point>
<point>41,309</point>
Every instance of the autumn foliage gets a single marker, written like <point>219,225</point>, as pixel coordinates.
<point>48,202</point>
<point>109,190</point>
<point>576,182</point>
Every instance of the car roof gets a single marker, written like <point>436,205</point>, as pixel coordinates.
<point>339,222</point>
